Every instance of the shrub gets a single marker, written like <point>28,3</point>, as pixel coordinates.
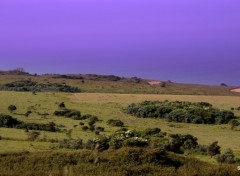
<point>85,128</point>
<point>92,128</point>
<point>37,126</point>
<point>234,123</point>
<point>187,112</point>
<point>101,129</point>
<point>8,121</point>
<point>12,108</point>
<point>68,113</point>
<point>180,143</point>
<point>91,123</point>
<point>33,135</point>
<point>117,123</point>
<point>214,149</point>
<point>135,142</point>
<point>62,105</point>
<point>28,113</point>
<point>151,131</point>
<point>227,157</point>
<point>81,123</point>
<point>31,86</point>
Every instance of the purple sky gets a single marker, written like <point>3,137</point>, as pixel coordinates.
<point>195,41</point>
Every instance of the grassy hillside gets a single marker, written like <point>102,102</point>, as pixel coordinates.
<point>108,106</point>
<point>110,84</point>
<point>105,97</point>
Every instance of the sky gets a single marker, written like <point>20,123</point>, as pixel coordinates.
<point>188,41</point>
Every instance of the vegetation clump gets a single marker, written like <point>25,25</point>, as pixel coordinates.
<point>32,86</point>
<point>116,123</point>
<point>69,113</point>
<point>187,112</point>
<point>10,122</point>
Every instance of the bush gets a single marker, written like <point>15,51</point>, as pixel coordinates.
<point>31,86</point>
<point>92,128</point>
<point>234,123</point>
<point>68,113</point>
<point>12,108</point>
<point>227,157</point>
<point>180,143</point>
<point>33,135</point>
<point>100,129</point>
<point>40,127</point>
<point>91,123</point>
<point>28,113</point>
<point>85,128</point>
<point>8,121</point>
<point>62,105</point>
<point>81,123</point>
<point>151,131</point>
<point>117,123</point>
<point>187,112</point>
<point>135,142</point>
<point>214,149</point>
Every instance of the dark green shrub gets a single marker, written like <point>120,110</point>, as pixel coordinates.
<point>227,157</point>
<point>62,105</point>
<point>234,123</point>
<point>180,143</point>
<point>68,113</point>
<point>117,123</point>
<point>91,123</point>
<point>151,131</point>
<point>8,121</point>
<point>12,108</point>
<point>31,86</point>
<point>135,142</point>
<point>85,128</point>
<point>28,113</point>
<point>187,112</point>
<point>81,123</point>
<point>100,129</point>
<point>214,149</point>
<point>92,128</point>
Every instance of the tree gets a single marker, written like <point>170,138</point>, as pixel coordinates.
<point>12,108</point>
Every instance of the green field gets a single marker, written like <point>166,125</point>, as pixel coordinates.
<point>108,106</point>
<point>106,100</point>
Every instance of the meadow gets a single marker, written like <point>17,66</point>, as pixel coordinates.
<point>18,154</point>
<point>108,106</point>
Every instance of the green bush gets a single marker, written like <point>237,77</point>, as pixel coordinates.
<point>117,123</point>
<point>8,121</point>
<point>68,113</point>
<point>31,86</point>
<point>12,108</point>
<point>187,112</point>
<point>227,157</point>
<point>85,128</point>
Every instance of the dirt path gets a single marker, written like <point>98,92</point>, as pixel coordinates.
<point>236,90</point>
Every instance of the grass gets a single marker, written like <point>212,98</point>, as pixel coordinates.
<point>109,106</point>
<point>106,106</point>
<point>93,86</point>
